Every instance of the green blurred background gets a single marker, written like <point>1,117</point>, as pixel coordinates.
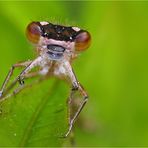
<point>113,70</point>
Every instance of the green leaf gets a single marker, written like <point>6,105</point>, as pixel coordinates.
<point>37,116</point>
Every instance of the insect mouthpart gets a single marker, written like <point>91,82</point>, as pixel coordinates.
<point>55,51</point>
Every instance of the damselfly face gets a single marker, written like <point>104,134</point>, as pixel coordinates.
<point>57,40</point>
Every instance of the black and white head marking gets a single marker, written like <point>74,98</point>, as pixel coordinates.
<point>58,32</point>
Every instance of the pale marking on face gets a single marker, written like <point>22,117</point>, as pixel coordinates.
<point>67,45</point>
<point>76,29</point>
<point>44,23</point>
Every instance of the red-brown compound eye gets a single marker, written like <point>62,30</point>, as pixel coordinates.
<point>33,32</point>
<point>82,41</point>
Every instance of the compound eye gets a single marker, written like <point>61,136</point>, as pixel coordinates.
<point>33,32</point>
<point>82,41</point>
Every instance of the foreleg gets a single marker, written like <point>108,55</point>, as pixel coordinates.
<point>10,73</point>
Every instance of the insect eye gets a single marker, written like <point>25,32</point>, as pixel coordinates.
<point>82,41</point>
<point>33,32</point>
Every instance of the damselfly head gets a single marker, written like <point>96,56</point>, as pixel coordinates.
<point>67,38</point>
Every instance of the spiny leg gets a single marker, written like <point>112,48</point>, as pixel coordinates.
<point>82,104</point>
<point>33,64</point>
<point>23,64</point>
<point>76,87</point>
<point>17,90</point>
<point>21,87</point>
<point>22,75</point>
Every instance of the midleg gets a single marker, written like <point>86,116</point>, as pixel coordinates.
<point>76,86</point>
<point>82,104</point>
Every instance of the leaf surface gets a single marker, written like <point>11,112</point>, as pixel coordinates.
<point>37,116</point>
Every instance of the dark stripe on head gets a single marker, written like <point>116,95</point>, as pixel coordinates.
<point>58,32</point>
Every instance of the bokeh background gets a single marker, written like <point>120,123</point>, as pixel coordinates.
<point>113,70</point>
